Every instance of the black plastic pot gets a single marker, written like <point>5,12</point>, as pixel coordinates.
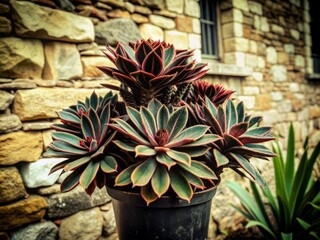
<point>167,218</point>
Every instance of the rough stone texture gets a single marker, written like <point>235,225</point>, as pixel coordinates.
<point>64,204</point>
<point>192,8</point>
<point>109,223</point>
<point>236,44</point>
<point>36,174</point>
<point>5,100</point>
<point>272,56</point>
<point>4,8</point>
<point>241,4</point>
<point>20,146</point>
<point>39,125</point>
<point>21,58</point>
<point>43,103</point>
<point>90,66</point>
<point>25,211</point>
<point>62,61</point>
<point>11,185</point>
<point>255,7</point>
<point>163,22</point>
<point>84,225</point>
<point>44,230</point>
<point>177,38</point>
<point>9,123</point>
<point>279,73</point>
<point>58,25</point>
<point>55,188</point>
<point>175,5</point>
<point>194,41</point>
<point>150,31</point>
<point>155,3</point>
<point>5,25</point>
<point>138,18</point>
<point>117,30</point>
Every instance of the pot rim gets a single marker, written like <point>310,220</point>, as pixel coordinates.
<point>133,198</point>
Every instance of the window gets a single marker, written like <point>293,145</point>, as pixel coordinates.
<point>208,20</point>
<point>315,34</point>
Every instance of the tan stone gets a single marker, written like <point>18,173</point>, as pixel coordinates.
<point>118,14</point>
<point>263,102</point>
<point>48,23</point>
<point>47,139</point>
<point>255,7</point>
<point>62,61</point>
<point>236,44</point>
<point>192,8</point>
<point>20,146</point>
<point>237,58</point>
<point>314,111</point>
<point>163,22</point>
<point>277,29</point>
<point>232,15</point>
<point>175,5</point>
<point>138,18</point>
<point>43,103</point>
<point>11,185</point>
<point>150,31</point>
<point>232,29</point>
<point>241,4</point>
<point>21,58</point>
<point>283,58</point>
<point>184,24</point>
<point>194,41</point>
<point>9,123</point>
<point>196,26</point>
<point>22,212</point>
<point>177,38</point>
<point>90,66</point>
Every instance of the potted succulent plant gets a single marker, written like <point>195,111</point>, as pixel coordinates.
<point>161,150</point>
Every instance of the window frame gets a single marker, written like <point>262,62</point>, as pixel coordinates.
<point>315,38</point>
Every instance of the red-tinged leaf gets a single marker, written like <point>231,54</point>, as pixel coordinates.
<point>69,117</point>
<point>93,146</point>
<point>71,181</point>
<point>90,189</point>
<point>180,185</point>
<point>169,55</point>
<point>162,117</point>
<point>68,138</point>
<point>143,172</point>
<point>162,80</point>
<point>125,79</point>
<point>109,164</point>
<point>149,125</point>
<point>100,180</point>
<point>177,122</point>
<point>200,170</point>
<point>135,117</point>
<point>254,120</point>
<point>108,70</point>
<point>188,135</point>
<point>231,141</point>
<point>181,157</point>
<point>240,112</point>
<point>211,107</point>
<point>104,121</point>
<point>160,180</point>
<point>129,52</point>
<point>238,129</point>
<point>89,174</point>
<point>142,51</point>
<point>66,128</point>
<point>153,63</point>
<point>87,128</point>
<point>126,65</point>
<point>67,148</point>
<point>192,179</point>
<point>59,166</point>
<point>142,150</point>
<point>142,77</point>
<point>206,139</point>
<point>94,101</point>
<point>231,115</point>
<point>130,147</point>
<point>110,57</point>
<point>148,194</point>
<point>220,158</point>
<point>221,117</point>
<point>124,177</point>
<point>253,139</point>
<point>253,150</point>
<point>56,153</point>
<point>213,121</point>
<point>127,130</point>
<point>259,131</point>
<point>76,164</point>
<point>165,160</point>
<point>194,151</point>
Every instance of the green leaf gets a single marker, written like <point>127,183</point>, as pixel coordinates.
<point>177,122</point>
<point>67,148</point>
<point>89,174</point>
<point>231,115</point>
<point>190,134</point>
<point>289,164</point>
<point>69,117</point>
<point>165,160</point>
<point>286,236</point>
<point>263,226</point>
<point>87,127</point>
<point>144,172</point>
<point>142,150</point>
<point>211,107</point>
<point>67,137</point>
<point>160,180</point>
<point>195,151</point>
<point>200,170</point>
<point>94,118</point>
<point>154,105</point>
<point>127,146</point>
<point>162,117</point>
<point>180,186</point>
<point>259,131</point>
<point>169,55</point>
<point>220,158</point>
<point>149,125</point>
<point>76,164</point>
<point>94,100</point>
<point>148,194</point>
<point>192,179</point>
<point>71,181</point>
<point>104,120</point>
<point>213,121</point>
<point>109,164</point>
<point>135,117</point>
<point>181,157</point>
<point>124,177</point>
<point>303,224</point>
<point>206,139</point>
<point>240,112</point>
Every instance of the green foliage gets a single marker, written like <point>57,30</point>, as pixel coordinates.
<point>295,210</point>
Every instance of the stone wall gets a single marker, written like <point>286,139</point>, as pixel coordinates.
<point>49,52</point>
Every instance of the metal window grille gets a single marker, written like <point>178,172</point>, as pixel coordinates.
<point>315,34</point>
<point>208,22</point>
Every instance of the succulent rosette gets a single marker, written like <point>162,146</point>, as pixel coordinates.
<point>240,137</point>
<point>152,69</point>
<point>85,139</point>
<point>164,149</point>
